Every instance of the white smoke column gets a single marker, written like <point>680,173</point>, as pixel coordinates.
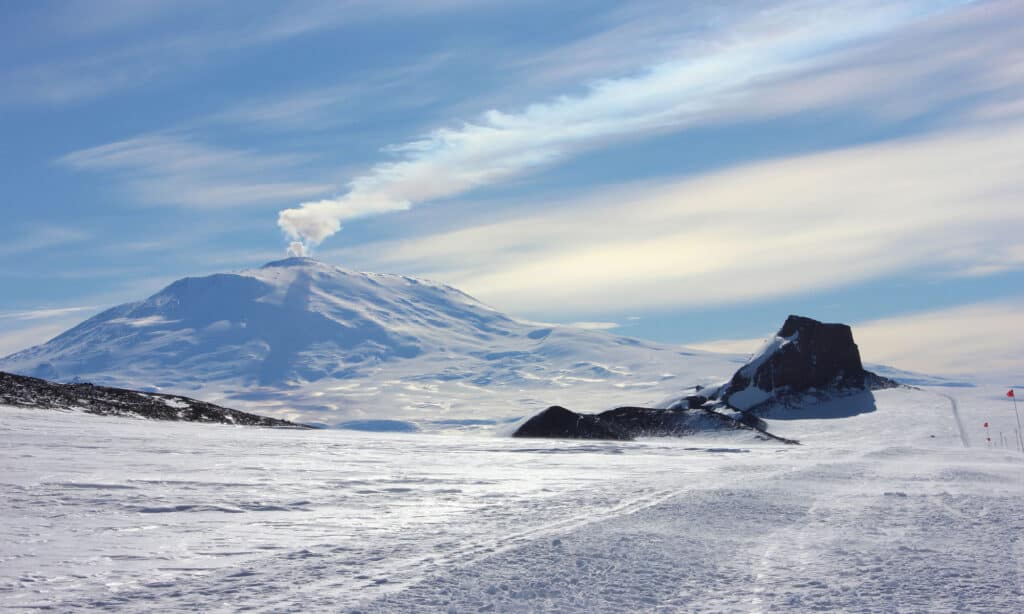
<point>667,96</point>
<point>296,250</point>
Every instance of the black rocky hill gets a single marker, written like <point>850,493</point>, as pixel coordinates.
<point>21,391</point>
<point>626,423</point>
<point>806,362</point>
<point>807,358</point>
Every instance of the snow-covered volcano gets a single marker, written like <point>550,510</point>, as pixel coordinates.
<point>290,321</point>
<point>318,343</point>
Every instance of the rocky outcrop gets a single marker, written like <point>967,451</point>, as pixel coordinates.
<point>31,392</point>
<point>623,423</point>
<point>805,357</point>
<point>559,422</point>
<point>807,361</point>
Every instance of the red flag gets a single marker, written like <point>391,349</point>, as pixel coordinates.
<point>986,425</point>
<point>1010,393</point>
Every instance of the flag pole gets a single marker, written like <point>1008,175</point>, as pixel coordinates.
<point>1020,439</point>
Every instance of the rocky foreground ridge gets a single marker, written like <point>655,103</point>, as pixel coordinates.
<point>31,392</point>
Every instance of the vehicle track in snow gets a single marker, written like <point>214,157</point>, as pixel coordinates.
<point>956,416</point>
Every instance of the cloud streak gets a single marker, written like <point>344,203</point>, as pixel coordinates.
<point>174,170</point>
<point>43,237</point>
<point>136,42</point>
<point>942,204</point>
<point>970,340</point>
<point>44,314</point>
<point>667,96</point>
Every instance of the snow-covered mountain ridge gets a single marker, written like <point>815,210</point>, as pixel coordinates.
<point>317,343</point>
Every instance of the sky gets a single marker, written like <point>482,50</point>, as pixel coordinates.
<point>683,172</point>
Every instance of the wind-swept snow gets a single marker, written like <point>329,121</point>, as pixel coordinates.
<point>882,508</point>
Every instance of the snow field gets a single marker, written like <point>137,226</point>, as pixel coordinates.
<point>881,510</point>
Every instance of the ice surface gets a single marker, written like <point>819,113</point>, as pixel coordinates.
<point>881,510</point>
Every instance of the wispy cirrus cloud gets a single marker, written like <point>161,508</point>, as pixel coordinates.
<point>176,170</point>
<point>595,325</point>
<point>664,97</point>
<point>96,48</point>
<point>970,57</point>
<point>15,339</point>
<point>44,314</point>
<point>945,204</point>
<point>976,339</point>
<point>22,329</point>
<point>320,108</point>
<point>43,237</point>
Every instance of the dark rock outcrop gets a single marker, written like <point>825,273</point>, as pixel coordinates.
<point>806,356</point>
<point>31,392</point>
<point>559,422</point>
<point>624,423</point>
<point>806,359</point>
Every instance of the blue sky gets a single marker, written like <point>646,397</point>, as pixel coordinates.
<point>681,172</point>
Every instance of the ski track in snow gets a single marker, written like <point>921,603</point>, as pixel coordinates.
<point>881,511</point>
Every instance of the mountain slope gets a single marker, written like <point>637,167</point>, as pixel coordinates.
<point>316,343</point>
<point>291,320</point>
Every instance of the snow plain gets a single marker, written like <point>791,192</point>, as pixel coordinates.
<point>881,509</point>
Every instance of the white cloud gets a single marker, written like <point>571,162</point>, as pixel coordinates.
<point>971,57</point>
<point>596,325</point>
<point>666,96</point>
<point>175,170</point>
<point>14,340</point>
<point>23,329</point>
<point>373,89</point>
<point>44,314</point>
<point>143,322</point>
<point>945,204</point>
<point>729,346</point>
<point>42,237</point>
<point>310,107</point>
<point>980,340</point>
<point>624,40</point>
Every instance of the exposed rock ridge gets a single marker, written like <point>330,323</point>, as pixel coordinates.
<point>626,423</point>
<point>22,391</point>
